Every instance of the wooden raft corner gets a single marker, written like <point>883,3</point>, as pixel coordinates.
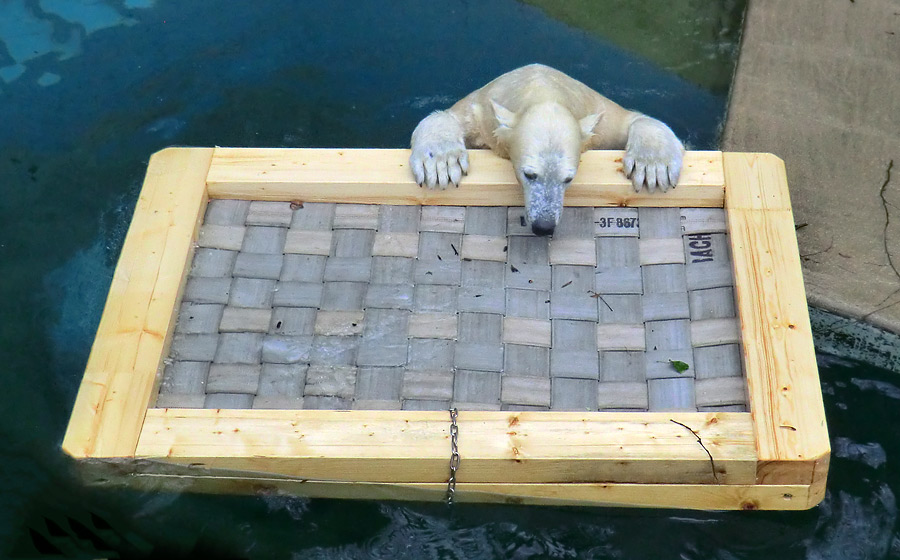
<point>134,332</point>
<point>755,181</point>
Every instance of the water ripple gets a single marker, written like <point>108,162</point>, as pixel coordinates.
<point>871,454</point>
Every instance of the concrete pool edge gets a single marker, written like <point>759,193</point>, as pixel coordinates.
<point>844,337</point>
<point>818,92</point>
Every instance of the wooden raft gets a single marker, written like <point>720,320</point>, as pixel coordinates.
<point>308,253</point>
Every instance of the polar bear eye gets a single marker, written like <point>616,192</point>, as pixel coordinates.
<point>530,175</point>
<point>568,180</point>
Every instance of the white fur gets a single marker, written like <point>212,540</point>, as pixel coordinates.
<point>439,156</point>
<point>542,120</point>
<point>653,155</point>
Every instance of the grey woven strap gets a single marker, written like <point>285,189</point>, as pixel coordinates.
<point>342,306</point>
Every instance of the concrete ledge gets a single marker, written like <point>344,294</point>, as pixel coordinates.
<point>817,85</point>
<point>850,338</point>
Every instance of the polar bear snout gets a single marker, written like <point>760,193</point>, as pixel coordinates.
<point>543,207</point>
<point>543,227</point>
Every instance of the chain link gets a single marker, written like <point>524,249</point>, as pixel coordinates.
<point>454,456</point>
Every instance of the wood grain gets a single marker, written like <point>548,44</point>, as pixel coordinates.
<point>403,446</point>
<point>135,330</point>
<point>152,476</point>
<point>779,360</point>
<point>383,177</point>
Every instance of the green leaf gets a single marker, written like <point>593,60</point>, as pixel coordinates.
<point>679,366</point>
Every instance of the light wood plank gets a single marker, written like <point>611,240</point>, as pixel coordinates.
<point>779,361</point>
<point>755,182</point>
<point>137,323</point>
<point>156,476</point>
<point>387,446</point>
<point>383,177</point>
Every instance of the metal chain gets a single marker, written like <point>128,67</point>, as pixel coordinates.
<point>454,456</point>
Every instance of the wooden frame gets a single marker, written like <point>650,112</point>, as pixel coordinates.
<point>774,457</point>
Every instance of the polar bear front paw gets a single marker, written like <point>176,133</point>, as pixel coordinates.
<point>439,157</point>
<point>653,155</point>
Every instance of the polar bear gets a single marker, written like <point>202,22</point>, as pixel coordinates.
<point>542,120</point>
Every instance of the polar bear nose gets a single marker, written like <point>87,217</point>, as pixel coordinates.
<point>543,227</point>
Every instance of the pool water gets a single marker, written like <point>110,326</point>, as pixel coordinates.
<point>89,89</point>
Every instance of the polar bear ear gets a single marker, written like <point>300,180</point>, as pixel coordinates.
<point>505,117</point>
<point>587,125</point>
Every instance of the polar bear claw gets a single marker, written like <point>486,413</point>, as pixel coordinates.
<point>439,157</point>
<point>653,155</point>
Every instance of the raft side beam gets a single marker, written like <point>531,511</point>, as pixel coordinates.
<point>138,320</point>
<point>383,177</point>
<point>156,477</point>
<point>501,447</point>
<point>785,394</point>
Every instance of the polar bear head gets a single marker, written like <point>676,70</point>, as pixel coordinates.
<point>544,142</point>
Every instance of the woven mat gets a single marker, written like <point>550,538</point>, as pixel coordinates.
<point>347,306</point>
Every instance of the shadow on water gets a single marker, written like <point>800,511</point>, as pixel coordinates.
<point>88,90</point>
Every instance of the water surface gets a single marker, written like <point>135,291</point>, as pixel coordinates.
<point>89,89</point>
